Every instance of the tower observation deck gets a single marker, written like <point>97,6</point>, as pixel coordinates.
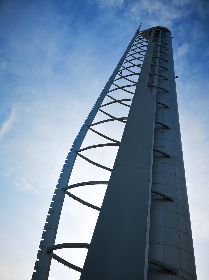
<point>143,231</point>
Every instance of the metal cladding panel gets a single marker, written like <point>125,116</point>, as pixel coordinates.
<point>171,244</point>
<point>119,245</point>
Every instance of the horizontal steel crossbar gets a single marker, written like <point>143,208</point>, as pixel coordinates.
<point>158,88</point>
<point>123,120</point>
<point>142,47</point>
<point>133,52</point>
<point>126,61</point>
<point>108,114</point>
<point>138,43</point>
<point>126,76</point>
<point>82,201</point>
<point>140,58</point>
<point>130,61</point>
<point>164,266</point>
<point>163,104</point>
<point>120,101</point>
<point>162,153</point>
<point>139,46</point>
<point>163,125</point>
<point>88,183</point>
<point>99,146</point>
<point>133,56</point>
<point>122,88</point>
<point>69,245</point>
<point>163,89</point>
<point>95,163</point>
<point>103,135</point>
<point>163,67</point>
<point>66,263</point>
<point>128,69</point>
<point>165,196</point>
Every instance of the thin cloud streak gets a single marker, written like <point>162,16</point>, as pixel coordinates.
<point>8,124</point>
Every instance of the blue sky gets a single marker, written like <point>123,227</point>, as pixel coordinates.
<point>55,59</point>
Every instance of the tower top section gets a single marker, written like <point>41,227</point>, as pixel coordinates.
<point>147,32</point>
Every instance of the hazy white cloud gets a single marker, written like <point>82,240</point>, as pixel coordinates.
<point>181,50</point>
<point>157,12</point>
<point>23,184</point>
<point>200,226</point>
<point>165,12</point>
<point>7,124</point>
<point>110,3</point>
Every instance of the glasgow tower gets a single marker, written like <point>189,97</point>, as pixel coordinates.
<point>143,231</point>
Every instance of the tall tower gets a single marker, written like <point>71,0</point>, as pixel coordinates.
<point>143,231</point>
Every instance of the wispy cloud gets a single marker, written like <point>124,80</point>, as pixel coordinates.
<point>23,184</point>
<point>157,12</point>
<point>181,50</point>
<point>110,3</point>
<point>7,124</point>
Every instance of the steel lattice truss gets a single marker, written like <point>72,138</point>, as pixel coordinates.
<point>122,83</point>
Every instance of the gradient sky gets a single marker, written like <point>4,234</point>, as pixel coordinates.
<point>55,59</point>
